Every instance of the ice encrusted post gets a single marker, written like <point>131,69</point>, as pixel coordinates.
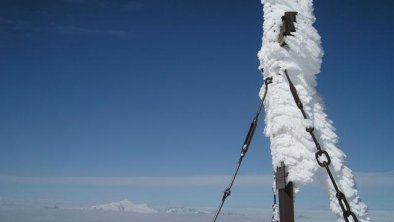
<point>300,54</point>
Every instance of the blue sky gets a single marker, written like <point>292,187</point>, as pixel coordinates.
<point>167,89</point>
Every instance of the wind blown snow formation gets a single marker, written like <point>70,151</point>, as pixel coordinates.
<point>285,125</point>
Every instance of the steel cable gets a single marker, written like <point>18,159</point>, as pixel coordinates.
<point>244,149</point>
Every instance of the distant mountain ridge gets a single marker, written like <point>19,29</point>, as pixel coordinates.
<point>186,211</point>
<point>125,206</point>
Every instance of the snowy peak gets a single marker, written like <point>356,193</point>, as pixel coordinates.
<point>125,206</point>
<point>186,211</point>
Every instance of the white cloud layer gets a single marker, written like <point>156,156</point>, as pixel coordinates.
<point>365,179</point>
<point>18,211</point>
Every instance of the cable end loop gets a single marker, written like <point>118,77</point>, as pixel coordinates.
<point>268,80</point>
<point>226,194</point>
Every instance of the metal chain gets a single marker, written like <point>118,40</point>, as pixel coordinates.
<point>244,149</point>
<point>343,203</point>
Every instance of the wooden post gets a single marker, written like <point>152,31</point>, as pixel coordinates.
<point>286,201</point>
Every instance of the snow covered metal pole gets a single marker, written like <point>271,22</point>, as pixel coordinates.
<point>292,50</point>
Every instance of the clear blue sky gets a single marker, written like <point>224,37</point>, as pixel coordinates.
<point>154,88</point>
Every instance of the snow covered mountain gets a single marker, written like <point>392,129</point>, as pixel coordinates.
<point>125,206</point>
<point>128,206</point>
<point>186,211</point>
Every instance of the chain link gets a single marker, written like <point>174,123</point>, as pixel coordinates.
<point>244,149</point>
<point>343,203</point>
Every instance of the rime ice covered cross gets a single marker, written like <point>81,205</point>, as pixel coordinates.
<point>299,55</point>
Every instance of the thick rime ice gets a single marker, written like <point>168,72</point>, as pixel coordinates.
<point>285,125</point>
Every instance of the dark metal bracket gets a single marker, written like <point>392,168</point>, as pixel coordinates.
<point>287,27</point>
<point>286,200</point>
